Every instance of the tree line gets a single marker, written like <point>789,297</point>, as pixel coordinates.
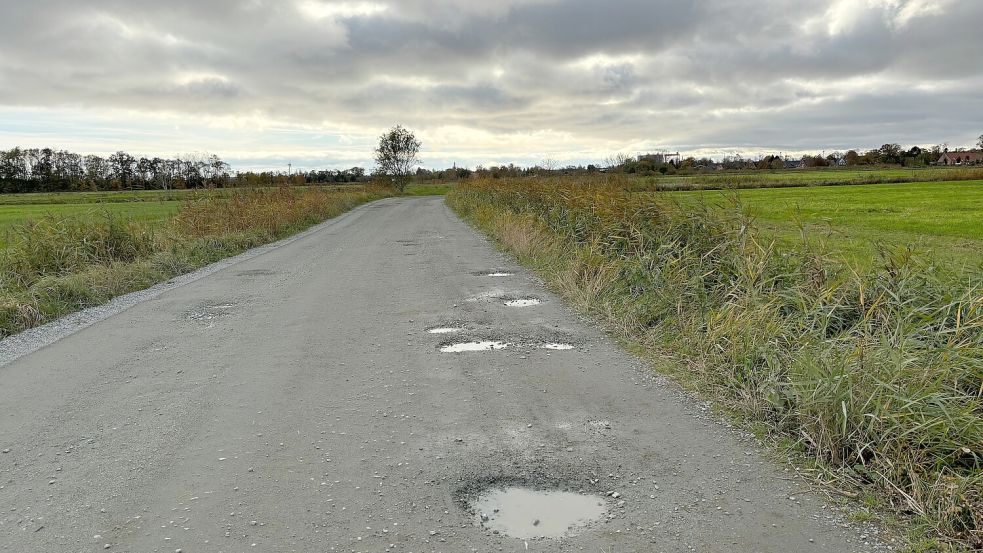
<point>50,170</point>
<point>887,155</point>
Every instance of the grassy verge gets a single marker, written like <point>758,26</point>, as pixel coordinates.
<point>873,374</point>
<point>58,264</point>
<point>429,189</point>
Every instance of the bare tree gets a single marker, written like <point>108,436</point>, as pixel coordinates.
<point>396,155</point>
<point>549,164</point>
<point>618,160</point>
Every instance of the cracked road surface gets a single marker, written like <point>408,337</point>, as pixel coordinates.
<point>296,402</point>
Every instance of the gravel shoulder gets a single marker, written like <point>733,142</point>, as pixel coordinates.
<point>291,399</point>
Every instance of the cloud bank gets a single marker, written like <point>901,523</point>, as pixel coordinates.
<point>488,80</point>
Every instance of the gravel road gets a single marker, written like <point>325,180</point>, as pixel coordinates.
<point>295,401</point>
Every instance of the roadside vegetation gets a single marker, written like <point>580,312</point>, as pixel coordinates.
<point>871,372</point>
<point>64,261</point>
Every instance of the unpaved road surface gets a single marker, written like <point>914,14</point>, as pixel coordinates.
<point>296,402</point>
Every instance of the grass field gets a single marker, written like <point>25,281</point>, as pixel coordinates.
<point>145,212</point>
<point>943,219</point>
<point>145,206</point>
<point>50,198</point>
<point>806,177</point>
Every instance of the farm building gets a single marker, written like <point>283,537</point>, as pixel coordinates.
<point>961,158</point>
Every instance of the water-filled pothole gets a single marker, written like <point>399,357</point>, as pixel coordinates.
<point>558,347</point>
<point>494,274</point>
<point>523,302</point>
<point>528,514</point>
<point>445,330</point>
<point>466,347</point>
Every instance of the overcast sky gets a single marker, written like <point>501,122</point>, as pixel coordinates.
<point>314,82</point>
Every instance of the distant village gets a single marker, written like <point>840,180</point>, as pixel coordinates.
<point>888,154</point>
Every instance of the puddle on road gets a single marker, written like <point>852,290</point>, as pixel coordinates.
<point>473,346</point>
<point>494,274</point>
<point>528,514</point>
<point>557,347</point>
<point>445,330</point>
<point>523,302</point>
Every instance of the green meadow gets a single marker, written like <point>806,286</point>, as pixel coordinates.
<point>942,219</point>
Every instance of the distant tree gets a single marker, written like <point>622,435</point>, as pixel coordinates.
<point>121,167</point>
<point>397,154</point>
<point>979,143</point>
<point>852,157</point>
<point>549,164</point>
<point>96,172</point>
<point>890,153</point>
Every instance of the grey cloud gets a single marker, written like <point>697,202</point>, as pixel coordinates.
<point>703,72</point>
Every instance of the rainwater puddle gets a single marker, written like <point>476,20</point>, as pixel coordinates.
<point>473,346</point>
<point>523,302</point>
<point>445,330</point>
<point>495,274</point>
<point>557,347</point>
<point>528,514</point>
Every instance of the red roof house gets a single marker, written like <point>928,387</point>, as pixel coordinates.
<point>961,158</point>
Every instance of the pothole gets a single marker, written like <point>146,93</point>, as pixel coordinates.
<point>494,274</point>
<point>529,514</point>
<point>558,347</point>
<point>466,347</point>
<point>208,312</point>
<point>445,330</point>
<point>256,273</point>
<point>523,302</point>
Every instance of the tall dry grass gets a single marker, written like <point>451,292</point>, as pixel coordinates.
<point>56,265</point>
<point>877,375</point>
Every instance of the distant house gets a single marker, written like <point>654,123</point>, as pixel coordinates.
<point>961,158</point>
<point>793,164</point>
